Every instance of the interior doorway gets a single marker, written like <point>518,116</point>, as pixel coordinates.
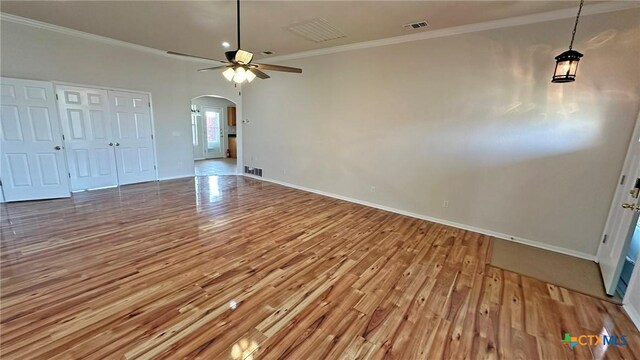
<point>213,127</point>
<point>630,260</point>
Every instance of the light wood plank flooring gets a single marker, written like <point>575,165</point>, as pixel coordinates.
<point>229,268</point>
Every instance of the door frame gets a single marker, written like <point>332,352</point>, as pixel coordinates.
<point>107,88</point>
<point>223,145</point>
<point>614,214</point>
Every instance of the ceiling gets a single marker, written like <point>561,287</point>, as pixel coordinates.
<point>199,27</point>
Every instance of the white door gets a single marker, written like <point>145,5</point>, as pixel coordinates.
<point>132,131</point>
<point>212,120</point>
<point>32,165</point>
<point>86,125</point>
<point>622,217</point>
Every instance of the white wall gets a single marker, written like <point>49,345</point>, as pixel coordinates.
<point>32,53</point>
<point>214,102</point>
<point>471,119</point>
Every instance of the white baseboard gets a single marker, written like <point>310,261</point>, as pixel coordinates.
<point>498,235</point>
<point>633,314</point>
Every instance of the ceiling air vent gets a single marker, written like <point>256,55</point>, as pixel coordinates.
<point>416,25</point>
<point>317,30</point>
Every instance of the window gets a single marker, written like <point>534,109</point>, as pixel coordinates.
<point>194,129</point>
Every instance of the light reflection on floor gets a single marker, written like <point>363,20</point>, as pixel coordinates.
<point>244,349</point>
<point>207,185</point>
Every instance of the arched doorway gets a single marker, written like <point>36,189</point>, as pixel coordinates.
<point>214,131</point>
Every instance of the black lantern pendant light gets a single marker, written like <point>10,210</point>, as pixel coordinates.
<point>567,62</point>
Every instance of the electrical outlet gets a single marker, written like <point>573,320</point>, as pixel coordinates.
<point>373,189</point>
<point>445,204</point>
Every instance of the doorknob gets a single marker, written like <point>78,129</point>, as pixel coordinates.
<point>117,144</point>
<point>57,148</point>
<point>631,207</point>
<point>110,144</point>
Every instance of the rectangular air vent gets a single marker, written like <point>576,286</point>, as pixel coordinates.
<point>252,171</point>
<point>316,30</point>
<point>416,25</point>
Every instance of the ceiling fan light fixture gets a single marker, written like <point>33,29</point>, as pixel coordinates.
<point>250,75</point>
<point>240,76</point>
<point>243,57</point>
<point>229,74</point>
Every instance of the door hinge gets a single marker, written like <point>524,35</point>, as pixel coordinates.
<point>154,167</point>
<point>624,177</point>
<point>62,136</point>
<point>0,182</point>
<point>151,136</point>
<point>57,97</point>
<point>604,239</point>
<point>149,103</point>
<point>69,175</point>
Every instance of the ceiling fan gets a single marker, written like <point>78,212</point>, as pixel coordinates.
<point>238,65</point>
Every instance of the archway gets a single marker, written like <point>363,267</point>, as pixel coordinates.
<point>214,135</point>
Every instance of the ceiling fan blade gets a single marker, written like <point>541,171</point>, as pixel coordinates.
<point>259,74</point>
<point>193,56</point>
<point>278,68</point>
<point>214,67</point>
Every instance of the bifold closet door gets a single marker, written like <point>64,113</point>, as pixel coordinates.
<point>86,125</point>
<point>31,142</point>
<point>131,124</point>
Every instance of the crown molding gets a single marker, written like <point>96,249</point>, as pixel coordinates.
<point>88,36</point>
<point>599,8</point>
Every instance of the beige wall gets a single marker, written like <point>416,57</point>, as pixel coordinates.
<point>471,119</point>
<point>31,53</point>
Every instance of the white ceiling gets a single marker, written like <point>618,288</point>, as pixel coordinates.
<point>199,27</point>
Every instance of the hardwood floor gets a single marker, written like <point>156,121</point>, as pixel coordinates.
<point>231,268</point>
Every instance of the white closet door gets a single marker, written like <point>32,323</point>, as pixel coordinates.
<point>86,124</point>
<point>32,165</point>
<point>131,122</point>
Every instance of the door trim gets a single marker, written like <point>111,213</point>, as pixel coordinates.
<point>107,88</point>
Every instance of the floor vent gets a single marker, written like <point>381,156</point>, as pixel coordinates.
<point>252,171</point>
<point>317,30</point>
<point>416,25</point>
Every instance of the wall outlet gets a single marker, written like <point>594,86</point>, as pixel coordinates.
<point>373,189</point>
<point>445,204</point>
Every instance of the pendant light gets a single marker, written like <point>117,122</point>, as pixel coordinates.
<point>567,62</point>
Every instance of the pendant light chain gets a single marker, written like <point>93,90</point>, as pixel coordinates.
<point>573,35</point>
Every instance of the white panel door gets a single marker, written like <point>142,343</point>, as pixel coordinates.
<point>214,133</point>
<point>623,217</point>
<point>131,123</point>
<point>32,165</point>
<point>86,125</point>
